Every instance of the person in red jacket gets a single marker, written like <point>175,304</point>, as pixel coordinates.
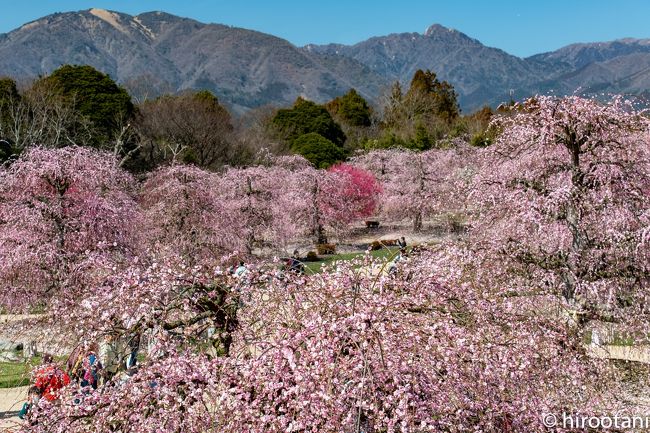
<point>49,378</point>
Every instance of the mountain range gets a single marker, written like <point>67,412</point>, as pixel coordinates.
<point>156,52</point>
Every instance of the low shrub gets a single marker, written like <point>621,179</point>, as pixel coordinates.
<point>312,257</point>
<point>326,249</point>
<point>382,243</point>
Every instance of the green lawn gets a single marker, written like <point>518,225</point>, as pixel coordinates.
<point>13,374</point>
<point>619,339</point>
<point>315,267</point>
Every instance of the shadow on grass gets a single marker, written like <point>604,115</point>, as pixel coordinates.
<point>312,268</point>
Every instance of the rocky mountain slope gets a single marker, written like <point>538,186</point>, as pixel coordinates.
<point>244,68</point>
<point>480,74</point>
<point>155,52</point>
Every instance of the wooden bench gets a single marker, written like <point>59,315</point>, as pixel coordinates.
<point>372,224</point>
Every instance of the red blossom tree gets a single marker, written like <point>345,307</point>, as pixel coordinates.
<point>356,191</point>
<point>336,197</point>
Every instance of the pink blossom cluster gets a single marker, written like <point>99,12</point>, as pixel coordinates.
<point>71,216</point>
<point>485,333</point>
<point>333,352</point>
<point>61,211</point>
<point>566,213</point>
<point>420,185</point>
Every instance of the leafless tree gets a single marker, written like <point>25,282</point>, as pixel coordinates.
<point>42,117</point>
<point>192,127</point>
<point>147,87</point>
<point>253,133</point>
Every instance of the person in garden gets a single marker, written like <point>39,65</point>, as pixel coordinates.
<point>33,396</point>
<point>49,378</point>
<point>402,245</point>
<point>294,264</point>
<point>241,270</point>
<point>91,367</point>
<point>134,348</point>
<point>392,265</point>
<point>109,358</point>
<point>73,363</point>
<point>84,365</point>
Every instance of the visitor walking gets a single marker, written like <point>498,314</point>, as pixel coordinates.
<point>402,245</point>
<point>134,348</point>
<point>91,368</point>
<point>109,357</point>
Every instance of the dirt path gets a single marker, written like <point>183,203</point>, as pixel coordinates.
<point>11,400</point>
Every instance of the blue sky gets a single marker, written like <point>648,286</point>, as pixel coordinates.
<point>519,27</point>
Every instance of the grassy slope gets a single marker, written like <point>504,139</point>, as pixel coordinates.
<point>315,267</point>
<point>13,374</point>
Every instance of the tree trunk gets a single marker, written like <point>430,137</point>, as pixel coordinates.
<point>317,228</point>
<point>417,222</point>
<point>250,237</point>
<point>573,219</point>
<point>321,235</point>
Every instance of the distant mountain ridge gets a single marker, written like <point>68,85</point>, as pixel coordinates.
<point>480,75</point>
<point>246,68</point>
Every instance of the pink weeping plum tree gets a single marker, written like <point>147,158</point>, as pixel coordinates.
<point>287,198</point>
<point>203,215</point>
<point>564,206</point>
<point>266,204</point>
<point>337,352</point>
<point>62,212</point>
<point>185,215</point>
<point>419,185</point>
